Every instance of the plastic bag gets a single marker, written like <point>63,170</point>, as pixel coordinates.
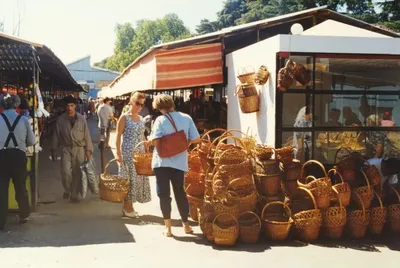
<point>89,178</point>
<point>83,184</point>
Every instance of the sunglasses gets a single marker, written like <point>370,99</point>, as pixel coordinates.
<point>138,104</point>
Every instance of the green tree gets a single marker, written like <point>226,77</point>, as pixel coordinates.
<point>207,26</point>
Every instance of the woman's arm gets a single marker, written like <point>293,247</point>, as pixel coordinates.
<point>120,130</point>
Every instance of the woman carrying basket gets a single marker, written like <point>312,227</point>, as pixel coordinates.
<point>131,126</point>
<point>170,135</point>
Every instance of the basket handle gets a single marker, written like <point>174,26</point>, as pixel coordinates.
<point>379,199</point>
<point>311,195</point>
<point>341,149</point>
<point>227,214</point>
<point>146,149</point>
<point>207,134</point>
<point>310,177</point>
<point>362,204</point>
<point>111,161</point>
<point>336,172</point>
<point>235,180</point>
<point>229,150</point>
<point>287,208</point>
<point>236,139</point>
<point>244,70</point>
<point>395,191</point>
<point>366,178</point>
<point>313,162</point>
<point>338,198</point>
<point>251,213</point>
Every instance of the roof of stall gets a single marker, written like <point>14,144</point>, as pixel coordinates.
<point>318,15</point>
<point>16,54</point>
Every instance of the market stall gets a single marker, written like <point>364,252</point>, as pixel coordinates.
<point>29,70</point>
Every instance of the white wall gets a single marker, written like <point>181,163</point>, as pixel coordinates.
<point>262,123</point>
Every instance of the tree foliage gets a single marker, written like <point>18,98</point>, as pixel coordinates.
<point>134,41</point>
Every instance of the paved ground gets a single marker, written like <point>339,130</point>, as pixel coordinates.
<point>93,234</point>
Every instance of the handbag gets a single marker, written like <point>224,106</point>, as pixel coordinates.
<point>172,144</point>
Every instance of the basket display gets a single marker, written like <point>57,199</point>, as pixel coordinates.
<point>142,160</point>
<point>206,226</point>
<point>225,235</point>
<point>365,194</point>
<point>308,223</point>
<point>247,200</point>
<point>263,152</point>
<point>293,171</point>
<point>194,204</point>
<point>277,225</point>
<point>249,227</point>
<point>343,189</point>
<point>223,208</point>
<point>334,219</point>
<point>394,214</point>
<point>285,79</point>
<point>377,217</point>
<point>262,75</point>
<point>373,174</point>
<point>194,187</point>
<point>358,220</point>
<point>113,188</point>
<point>194,161</point>
<point>269,185</point>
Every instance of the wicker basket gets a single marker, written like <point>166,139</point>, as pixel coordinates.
<point>249,104</point>
<point>321,188</point>
<point>142,160</point>
<point>285,79</point>
<point>308,223</point>
<point>223,207</point>
<point>334,219</point>
<point>365,194</point>
<point>358,220</point>
<point>195,203</point>
<point>277,225</point>
<point>301,74</point>
<point>225,235</point>
<point>248,200</point>
<point>342,188</point>
<point>348,165</point>
<point>263,152</point>
<point>262,75</point>
<point>206,225</point>
<point>113,188</point>
<point>194,161</point>
<point>269,185</point>
<point>249,229</point>
<point>246,74</point>
<point>237,170</point>
<point>373,174</point>
<point>268,167</point>
<point>195,187</point>
<point>293,171</point>
<point>394,214</point>
<point>290,187</point>
<point>377,217</point>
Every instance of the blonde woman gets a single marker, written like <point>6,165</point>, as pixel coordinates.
<point>171,170</point>
<point>131,128</point>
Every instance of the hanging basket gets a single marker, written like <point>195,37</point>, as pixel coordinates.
<point>343,190</point>
<point>358,220</point>
<point>277,225</point>
<point>394,214</point>
<point>249,227</point>
<point>377,217</point>
<point>285,76</point>
<point>246,74</point>
<point>334,219</point>
<point>308,223</point>
<point>142,160</point>
<point>262,75</point>
<point>365,194</point>
<point>113,188</point>
<point>225,235</point>
<point>249,100</point>
<point>301,74</point>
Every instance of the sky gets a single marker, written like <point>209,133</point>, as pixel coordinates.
<point>73,29</point>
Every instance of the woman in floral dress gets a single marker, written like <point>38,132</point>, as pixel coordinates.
<point>131,127</point>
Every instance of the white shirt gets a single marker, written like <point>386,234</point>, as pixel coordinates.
<point>105,114</point>
<point>377,162</point>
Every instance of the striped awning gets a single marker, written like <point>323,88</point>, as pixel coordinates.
<point>190,66</point>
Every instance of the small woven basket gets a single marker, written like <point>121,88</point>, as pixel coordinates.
<point>225,234</point>
<point>358,220</point>
<point>246,74</point>
<point>142,160</point>
<point>365,194</point>
<point>263,152</point>
<point>308,223</point>
<point>334,219</point>
<point>343,189</point>
<point>249,227</point>
<point>113,188</point>
<point>224,207</point>
<point>277,225</point>
<point>394,214</point>
<point>377,217</point>
<point>262,75</point>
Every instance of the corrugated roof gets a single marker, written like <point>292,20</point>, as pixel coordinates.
<point>323,10</point>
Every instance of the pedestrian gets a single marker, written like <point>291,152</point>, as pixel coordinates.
<point>172,169</point>
<point>106,114</point>
<point>15,136</point>
<point>131,127</point>
<point>72,134</point>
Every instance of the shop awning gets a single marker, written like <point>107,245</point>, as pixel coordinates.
<point>166,69</point>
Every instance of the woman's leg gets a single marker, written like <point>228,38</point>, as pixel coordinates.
<point>178,180</point>
<point>163,192</point>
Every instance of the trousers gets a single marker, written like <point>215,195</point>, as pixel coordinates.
<point>13,166</point>
<point>165,176</point>
<point>71,160</point>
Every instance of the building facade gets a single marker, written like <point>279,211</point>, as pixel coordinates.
<point>91,77</point>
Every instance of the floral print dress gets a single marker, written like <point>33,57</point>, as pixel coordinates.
<point>139,185</point>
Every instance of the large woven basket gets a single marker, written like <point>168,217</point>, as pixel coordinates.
<point>394,214</point>
<point>248,199</point>
<point>377,217</point>
<point>334,219</point>
<point>358,220</point>
<point>113,188</point>
<point>285,79</point>
<point>343,189</point>
<point>365,194</point>
<point>277,225</point>
<point>308,223</point>
<point>142,160</point>
<point>225,234</point>
<point>249,104</point>
<point>249,227</point>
